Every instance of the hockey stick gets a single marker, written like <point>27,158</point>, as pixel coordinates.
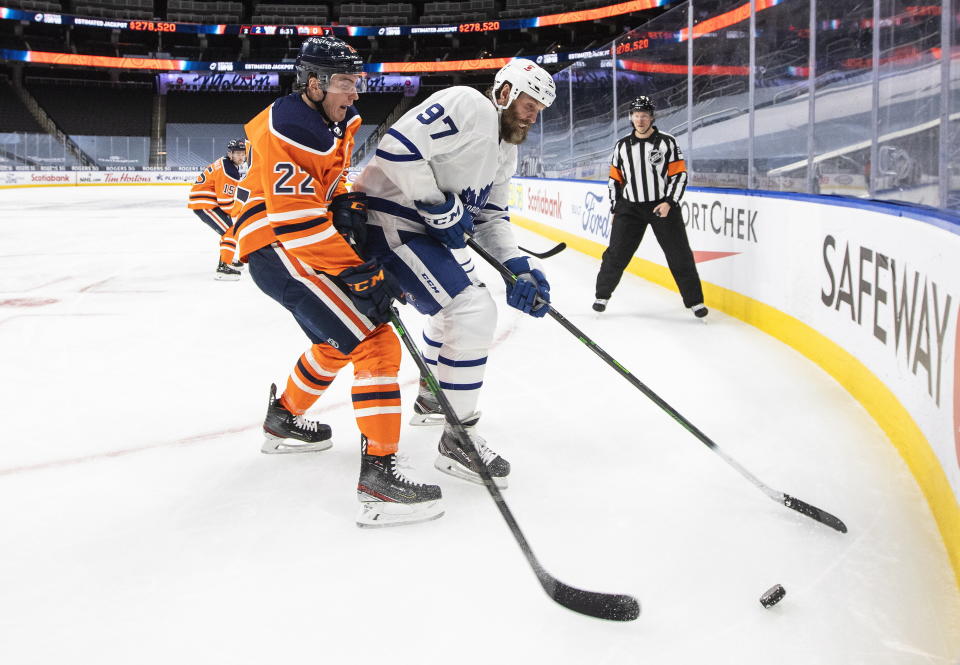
<point>553,251</point>
<point>615,607</point>
<point>791,502</point>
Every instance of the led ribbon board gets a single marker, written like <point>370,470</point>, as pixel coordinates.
<point>564,18</point>
<point>162,64</point>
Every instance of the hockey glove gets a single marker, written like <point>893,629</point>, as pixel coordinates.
<point>446,222</point>
<point>348,213</point>
<point>371,289</point>
<point>531,284</point>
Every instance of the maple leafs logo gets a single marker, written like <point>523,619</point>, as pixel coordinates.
<point>473,201</point>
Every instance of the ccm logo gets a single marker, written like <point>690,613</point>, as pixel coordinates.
<point>360,287</point>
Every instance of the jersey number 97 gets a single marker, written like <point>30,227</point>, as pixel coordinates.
<point>433,113</point>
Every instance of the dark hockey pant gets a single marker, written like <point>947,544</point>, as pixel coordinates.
<point>216,219</point>
<point>630,221</point>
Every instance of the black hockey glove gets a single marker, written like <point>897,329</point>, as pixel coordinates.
<point>372,290</point>
<point>349,215</point>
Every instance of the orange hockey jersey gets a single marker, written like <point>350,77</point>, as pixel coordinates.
<point>298,164</point>
<point>215,186</point>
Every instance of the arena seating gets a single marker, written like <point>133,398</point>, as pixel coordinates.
<point>14,116</point>
<point>192,11</point>
<point>96,110</point>
<point>361,13</point>
<point>458,12</point>
<point>294,14</point>
<point>118,9</point>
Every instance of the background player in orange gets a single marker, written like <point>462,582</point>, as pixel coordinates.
<point>211,198</point>
<point>297,227</point>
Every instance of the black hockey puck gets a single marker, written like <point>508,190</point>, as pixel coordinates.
<point>772,596</point>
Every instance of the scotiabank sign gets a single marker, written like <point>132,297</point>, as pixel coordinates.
<point>54,178</point>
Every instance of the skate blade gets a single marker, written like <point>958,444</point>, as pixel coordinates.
<point>428,419</point>
<point>376,514</point>
<point>431,418</point>
<point>277,446</point>
<point>457,470</point>
<point>227,278</point>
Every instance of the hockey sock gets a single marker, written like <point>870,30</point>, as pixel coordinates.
<point>313,373</point>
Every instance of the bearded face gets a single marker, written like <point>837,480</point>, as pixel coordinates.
<point>512,128</point>
<point>516,119</point>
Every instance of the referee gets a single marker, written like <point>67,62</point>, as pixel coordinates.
<point>647,179</point>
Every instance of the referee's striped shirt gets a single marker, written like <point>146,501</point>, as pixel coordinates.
<point>649,170</point>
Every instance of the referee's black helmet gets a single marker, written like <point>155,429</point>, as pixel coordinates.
<point>641,103</point>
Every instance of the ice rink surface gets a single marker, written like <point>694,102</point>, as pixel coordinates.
<point>139,522</point>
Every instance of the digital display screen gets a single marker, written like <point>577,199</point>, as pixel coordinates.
<point>338,30</point>
<point>164,64</point>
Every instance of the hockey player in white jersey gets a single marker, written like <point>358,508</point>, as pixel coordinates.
<point>441,171</point>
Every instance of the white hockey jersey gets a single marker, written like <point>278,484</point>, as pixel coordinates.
<point>448,143</point>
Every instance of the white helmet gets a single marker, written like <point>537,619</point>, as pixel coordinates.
<point>525,76</point>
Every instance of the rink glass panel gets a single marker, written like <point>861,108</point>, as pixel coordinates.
<point>951,158</point>
<point>33,149</point>
<point>195,145</point>
<point>555,144</point>
<point>116,152</point>
<point>782,97</point>
<point>720,123</point>
<point>651,62</point>
<point>909,103</point>
<point>592,101</point>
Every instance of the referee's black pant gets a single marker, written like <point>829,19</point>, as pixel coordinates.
<point>630,220</point>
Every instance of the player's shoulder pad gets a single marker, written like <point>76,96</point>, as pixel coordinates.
<point>352,116</point>
<point>294,122</point>
<point>466,96</point>
<point>230,168</point>
<point>468,103</point>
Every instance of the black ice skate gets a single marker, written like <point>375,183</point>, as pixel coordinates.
<point>455,462</point>
<point>286,433</point>
<point>426,410</point>
<point>226,273</point>
<point>388,498</point>
<point>700,311</point>
<point>600,304</point>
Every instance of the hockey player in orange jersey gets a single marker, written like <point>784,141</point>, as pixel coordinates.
<point>211,198</point>
<point>301,232</point>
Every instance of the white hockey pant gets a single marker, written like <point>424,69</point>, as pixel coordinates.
<point>458,339</point>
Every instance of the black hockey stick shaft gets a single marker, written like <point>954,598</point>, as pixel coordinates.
<point>614,607</point>
<point>791,502</point>
<point>553,251</point>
